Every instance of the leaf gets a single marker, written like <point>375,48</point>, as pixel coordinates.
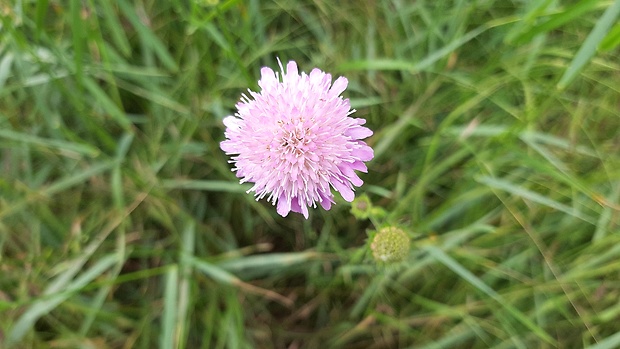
<point>612,40</point>
<point>44,305</point>
<point>588,49</point>
<point>533,196</point>
<point>556,20</point>
<point>207,185</point>
<point>414,67</point>
<point>62,146</point>
<point>169,316</point>
<point>456,267</point>
<point>610,342</point>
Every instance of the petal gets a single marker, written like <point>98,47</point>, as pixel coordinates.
<point>304,211</point>
<point>267,78</point>
<point>229,147</point>
<point>364,153</point>
<point>291,68</point>
<point>232,122</point>
<point>292,74</point>
<point>343,189</point>
<point>326,203</point>
<point>284,206</point>
<point>347,170</point>
<point>326,199</point>
<point>360,166</point>
<point>358,132</point>
<point>296,206</point>
<point>316,75</point>
<point>267,73</point>
<point>355,180</point>
<point>339,85</point>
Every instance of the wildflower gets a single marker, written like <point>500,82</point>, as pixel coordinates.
<point>294,139</point>
<point>390,244</point>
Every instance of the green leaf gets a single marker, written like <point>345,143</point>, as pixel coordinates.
<point>206,185</point>
<point>148,38</point>
<point>527,194</point>
<point>115,27</point>
<point>611,342</point>
<point>556,20</point>
<point>480,285</point>
<point>67,148</point>
<point>44,305</point>
<point>588,49</point>
<point>169,316</point>
<point>612,40</point>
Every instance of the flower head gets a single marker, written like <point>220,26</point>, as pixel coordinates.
<point>390,244</point>
<point>294,139</point>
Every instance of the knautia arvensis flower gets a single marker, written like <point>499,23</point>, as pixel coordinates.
<point>295,138</point>
<point>390,244</point>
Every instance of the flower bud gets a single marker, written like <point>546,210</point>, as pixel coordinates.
<point>361,207</point>
<point>390,244</point>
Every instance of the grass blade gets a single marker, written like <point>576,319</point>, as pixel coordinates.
<point>114,25</point>
<point>588,49</point>
<point>527,194</point>
<point>480,285</point>
<point>611,41</point>
<point>169,316</point>
<point>206,185</point>
<point>43,306</point>
<point>220,275</point>
<point>610,342</point>
<point>556,20</point>
<point>148,37</point>
<point>68,148</point>
<point>263,264</point>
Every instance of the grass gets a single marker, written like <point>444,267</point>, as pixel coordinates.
<point>496,139</point>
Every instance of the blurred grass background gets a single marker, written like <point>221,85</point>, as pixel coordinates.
<point>496,137</point>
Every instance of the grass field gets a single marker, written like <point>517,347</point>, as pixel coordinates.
<point>497,150</point>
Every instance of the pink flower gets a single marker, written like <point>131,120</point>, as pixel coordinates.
<point>294,139</point>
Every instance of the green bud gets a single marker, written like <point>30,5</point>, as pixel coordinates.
<point>361,207</point>
<point>390,245</point>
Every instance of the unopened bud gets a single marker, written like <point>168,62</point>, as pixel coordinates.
<point>390,244</point>
<point>361,207</point>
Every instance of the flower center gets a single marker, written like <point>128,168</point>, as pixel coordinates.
<point>294,136</point>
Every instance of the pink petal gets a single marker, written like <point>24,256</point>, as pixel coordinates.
<point>365,153</point>
<point>358,132</point>
<point>291,68</point>
<point>229,147</point>
<point>304,210</point>
<point>284,206</point>
<point>326,203</point>
<point>355,180</point>
<point>267,78</point>
<point>360,166</point>
<point>339,85</point>
<point>316,75</point>
<point>232,122</point>
<point>296,206</point>
<point>343,189</point>
<point>347,170</point>
<point>292,74</point>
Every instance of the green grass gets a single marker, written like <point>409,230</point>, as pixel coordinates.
<point>496,137</point>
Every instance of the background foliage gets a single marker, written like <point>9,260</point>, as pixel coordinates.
<point>496,137</point>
